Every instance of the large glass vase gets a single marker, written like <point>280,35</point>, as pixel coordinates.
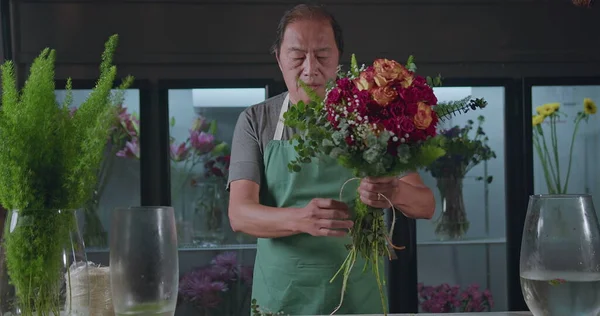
<point>44,269</point>
<point>452,223</point>
<point>560,256</point>
<point>144,262</point>
<point>210,213</point>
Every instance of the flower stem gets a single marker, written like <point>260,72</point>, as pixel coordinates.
<point>571,152</point>
<point>536,143</point>
<point>554,138</point>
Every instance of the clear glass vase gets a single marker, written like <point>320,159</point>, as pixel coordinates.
<point>560,256</point>
<point>144,261</point>
<point>452,223</point>
<point>210,213</point>
<point>44,269</point>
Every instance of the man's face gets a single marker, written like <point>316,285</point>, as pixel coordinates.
<point>309,53</point>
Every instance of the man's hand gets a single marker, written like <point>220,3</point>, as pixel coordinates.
<point>324,217</point>
<point>371,188</point>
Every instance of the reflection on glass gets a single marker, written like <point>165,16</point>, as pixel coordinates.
<point>202,124</point>
<point>566,139</point>
<point>468,228</point>
<point>119,174</point>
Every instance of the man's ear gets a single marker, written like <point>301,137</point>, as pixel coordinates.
<point>278,60</point>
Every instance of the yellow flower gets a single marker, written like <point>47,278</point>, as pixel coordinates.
<point>589,106</point>
<point>547,109</point>
<point>537,120</point>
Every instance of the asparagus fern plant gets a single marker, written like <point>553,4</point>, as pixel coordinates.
<point>49,160</point>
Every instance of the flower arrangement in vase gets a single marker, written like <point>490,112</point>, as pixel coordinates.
<point>42,185</point>
<point>549,114</point>
<point>444,298</point>
<point>463,152</point>
<point>216,289</point>
<point>124,125</point>
<point>199,148</point>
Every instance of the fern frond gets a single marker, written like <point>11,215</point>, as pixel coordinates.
<point>313,96</point>
<point>446,110</point>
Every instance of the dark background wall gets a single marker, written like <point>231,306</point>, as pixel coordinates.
<point>230,39</point>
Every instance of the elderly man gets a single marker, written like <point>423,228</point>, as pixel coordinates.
<point>302,229</point>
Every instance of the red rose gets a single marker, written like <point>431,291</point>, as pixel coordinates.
<point>396,108</point>
<point>406,125</point>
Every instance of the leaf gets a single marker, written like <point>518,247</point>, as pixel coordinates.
<point>354,66</point>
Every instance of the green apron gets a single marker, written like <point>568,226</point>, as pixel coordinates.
<point>292,274</point>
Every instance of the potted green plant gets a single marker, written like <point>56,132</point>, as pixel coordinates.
<point>49,161</point>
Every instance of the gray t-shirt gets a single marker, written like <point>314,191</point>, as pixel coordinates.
<point>255,128</point>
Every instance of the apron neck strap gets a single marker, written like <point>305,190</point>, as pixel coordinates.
<point>284,108</point>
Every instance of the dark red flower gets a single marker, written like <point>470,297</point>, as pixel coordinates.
<point>334,96</point>
<point>406,125</point>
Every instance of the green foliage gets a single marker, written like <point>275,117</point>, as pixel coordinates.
<point>463,151</point>
<point>48,162</point>
<point>256,311</point>
<point>446,110</point>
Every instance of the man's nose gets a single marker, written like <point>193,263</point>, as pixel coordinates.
<point>310,67</point>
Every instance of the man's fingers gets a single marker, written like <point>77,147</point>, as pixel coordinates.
<point>334,224</point>
<point>331,204</point>
<point>382,180</point>
<point>332,233</point>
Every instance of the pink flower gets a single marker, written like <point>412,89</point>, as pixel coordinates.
<point>200,124</point>
<point>131,150</point>
<point>202,142</point>
<point>179,152</point>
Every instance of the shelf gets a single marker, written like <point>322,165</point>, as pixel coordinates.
<point>219,248</point>
<point>193,248</point>
<point>469,241</point>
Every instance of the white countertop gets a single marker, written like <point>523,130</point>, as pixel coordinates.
<point>460,314</point>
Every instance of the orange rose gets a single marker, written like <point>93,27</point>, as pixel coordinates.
<point>384,95</point>
<point>407,78</point>
<point>387,70</point>
<point>365,80</point>
<point>423,117</point>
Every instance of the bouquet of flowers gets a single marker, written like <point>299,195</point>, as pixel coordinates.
<point>444,298</point>
<point>377,121</point>
<point>212,287</point>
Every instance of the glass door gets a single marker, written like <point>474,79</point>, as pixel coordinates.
<point>461,251</point>
<point>565,136</point>
<point>119,175</point>
<point>216,263</point>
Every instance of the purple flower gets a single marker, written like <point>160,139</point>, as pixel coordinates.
<point>131,150</point>
<point>445,299</point>
<point>199,288</point>
<point>179,152</point>
<point>226,259</point>
<point>202,142</point>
